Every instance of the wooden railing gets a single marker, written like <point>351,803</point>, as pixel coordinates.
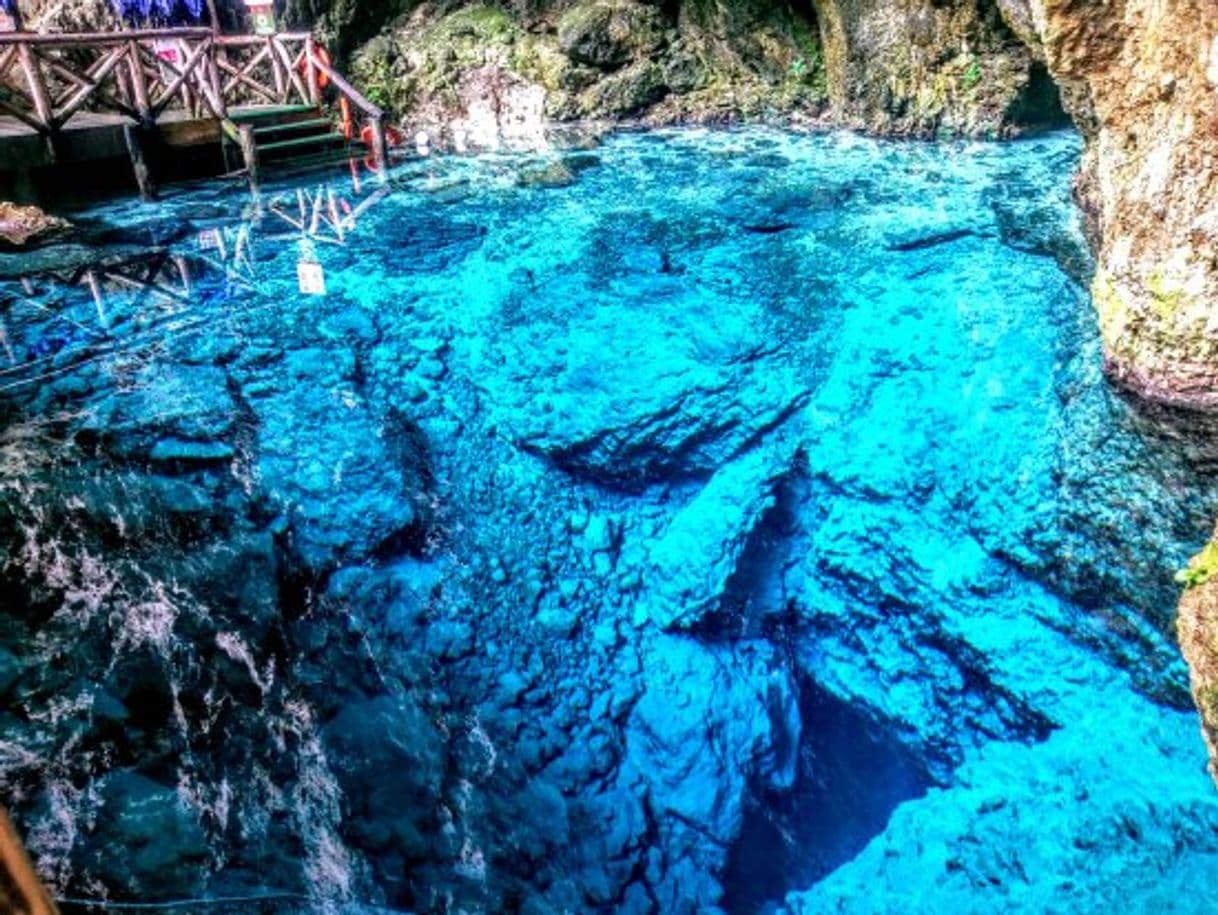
<point>46,79</point>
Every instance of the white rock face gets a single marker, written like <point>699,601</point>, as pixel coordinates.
<point>501,111</point>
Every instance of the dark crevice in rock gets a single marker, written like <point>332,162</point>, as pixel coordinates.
<point>1039,105</point>
<point>753,594</point>
<point>849,778</point>
<point>932,241</point>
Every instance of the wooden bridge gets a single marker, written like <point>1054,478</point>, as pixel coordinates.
<point>68,98</point>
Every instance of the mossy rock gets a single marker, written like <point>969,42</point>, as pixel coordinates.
<point>627,92</point>
<point>608,35</point>
<point>1201,568</point>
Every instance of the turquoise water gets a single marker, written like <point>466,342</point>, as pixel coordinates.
<point>706,520</point>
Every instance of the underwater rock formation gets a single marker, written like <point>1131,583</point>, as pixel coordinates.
<point>615,543</point>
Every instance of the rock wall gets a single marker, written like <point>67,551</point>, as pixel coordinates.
<point>1140,79</point>
<point>457,69</point>
<point>923,67</point>
<point>1197,627</point>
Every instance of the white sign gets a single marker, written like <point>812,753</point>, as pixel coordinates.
<point>166,49</point>
<point>311,277</point>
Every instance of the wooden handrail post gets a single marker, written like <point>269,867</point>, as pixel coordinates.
<point>281,83</point>
<point>139,83</point>
<point>38,87</point>
<point>380,149</point>
<point>213,16</point>
<point>213,76</point>
<point>134,135</point>
<point>311,71</point>
<point>249,152</point>
<point>32,897</point>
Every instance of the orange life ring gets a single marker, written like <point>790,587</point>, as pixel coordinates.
<point>393,136</point>
<point>322,55</point>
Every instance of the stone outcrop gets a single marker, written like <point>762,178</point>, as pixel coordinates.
<point>915,67</point>
<point>1197,627</point>
<point>1140,79</point>
<point>922,67</point>
<point>21,225</point>
<point>600,59</point>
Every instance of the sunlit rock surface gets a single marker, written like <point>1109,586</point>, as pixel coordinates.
<point>922,66</point>
<point>22,225</point>
<point>1141,81</point>
<point>743,522</point>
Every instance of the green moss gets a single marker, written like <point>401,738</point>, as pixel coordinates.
<point>808,70</point>
<point>537,59</point>
<point>1110,307</point>
<point>1168,300</point>
<point>376,78</point>
<point>1201,568</point>
<point>488,23</point>
<point>971,77</point>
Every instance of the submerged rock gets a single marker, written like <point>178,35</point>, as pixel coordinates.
<point>21,225</point>
<point>693,535</point>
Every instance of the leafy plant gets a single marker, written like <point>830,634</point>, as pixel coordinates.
<point>972,75</point>
<point>1201,568</point>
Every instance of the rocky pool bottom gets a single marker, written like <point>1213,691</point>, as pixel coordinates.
<point>706,521</point>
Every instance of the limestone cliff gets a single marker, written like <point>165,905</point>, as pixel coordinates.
<point>1197,627</point>
<point>1140,79</point>
<point>916,66</point>
<point>439,65</point>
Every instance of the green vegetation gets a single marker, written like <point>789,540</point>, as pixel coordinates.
<point>375,74</point>
<point>972,75</point>
<point>1201,568</point>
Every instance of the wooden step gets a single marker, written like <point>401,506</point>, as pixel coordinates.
<point>264,112</point>
<point>285,126</point>
<point>289,166</point>
<point>298,142</point>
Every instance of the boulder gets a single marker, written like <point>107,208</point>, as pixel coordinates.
<point>146,841</point>
<point>21,225</point>
<point>608,34</point>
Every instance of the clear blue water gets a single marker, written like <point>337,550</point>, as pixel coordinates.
<point>708,520</point>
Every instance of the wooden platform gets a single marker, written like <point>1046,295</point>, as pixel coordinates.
<point>68,99</point>
<point>91,136</point>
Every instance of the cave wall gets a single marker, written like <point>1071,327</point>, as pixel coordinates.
<point>1140,79</point>
<point>922,67</point>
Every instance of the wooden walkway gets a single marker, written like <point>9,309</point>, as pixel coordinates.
<point>71,98</point>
